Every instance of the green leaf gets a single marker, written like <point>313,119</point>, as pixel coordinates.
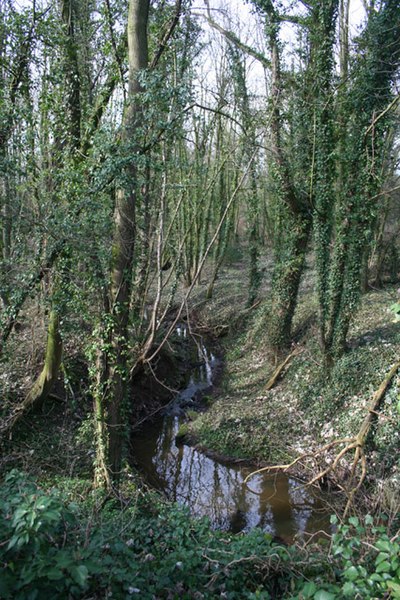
<point>308,590</point>
<point>383,545</point>
<point>12,542</point>
<point>354,521</point>
<point>394,588</point>
<point>395,307</point>
<point>19,513</point>
<point>383,567</point>
<point>324,595</point>
<point>79,574</point>
<point>381,557</point>
<point>349,589</point>
<point>54,574</point>
<point>64,560</point>
<point>351,574</point>
<point>51,515</point>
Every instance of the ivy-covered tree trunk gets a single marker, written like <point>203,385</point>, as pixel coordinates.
<point>361,151</point>
<point>123,248</point>
<point>293,222</point>
<point>301,172</point>
<point>248,148</point>
<point>323,170</point>
<point>290,255</point>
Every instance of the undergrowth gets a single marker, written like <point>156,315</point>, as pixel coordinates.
<point>308,407</point>
<point>51,546</point>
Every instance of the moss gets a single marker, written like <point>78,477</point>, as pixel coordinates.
<point>182,432</point>
<point>192,415</point>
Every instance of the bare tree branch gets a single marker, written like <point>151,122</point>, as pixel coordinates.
<point>167,35</point>
<point>232,37</point>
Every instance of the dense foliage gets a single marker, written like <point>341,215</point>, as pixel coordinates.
<point>138,156</point>
<point>98,548</point>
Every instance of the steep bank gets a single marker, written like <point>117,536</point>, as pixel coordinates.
<point>305,410</point>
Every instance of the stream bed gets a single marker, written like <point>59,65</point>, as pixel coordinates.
<point>276,503</point>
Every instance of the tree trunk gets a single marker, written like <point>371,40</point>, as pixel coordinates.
<point>294,225</point>
<point>124,244</point>
<point>45,382</point>
<point>288,269</point>
<point>360,166</point>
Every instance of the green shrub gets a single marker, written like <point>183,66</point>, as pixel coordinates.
<point>364,565</point>
<point>51,548</point>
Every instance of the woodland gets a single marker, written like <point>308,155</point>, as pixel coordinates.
<point>199,185</point>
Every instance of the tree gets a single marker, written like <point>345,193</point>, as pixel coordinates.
<point>292,170</point>
<point>343,227</point>
<point>109,409</point>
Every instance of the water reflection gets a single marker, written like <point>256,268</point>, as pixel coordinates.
<point>275,503</point>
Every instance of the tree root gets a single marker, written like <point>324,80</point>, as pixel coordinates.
<point>278,371</point>
<point>356,444</point>
<point>44,384</point>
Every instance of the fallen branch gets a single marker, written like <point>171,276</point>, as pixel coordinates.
<point>278,371</point>
<point>356,443</point>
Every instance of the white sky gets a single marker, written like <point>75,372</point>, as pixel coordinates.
<point>239,16</point>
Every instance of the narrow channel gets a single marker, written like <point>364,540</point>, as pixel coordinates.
<point>275,503</point>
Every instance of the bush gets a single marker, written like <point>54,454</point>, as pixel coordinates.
<point>52,548</point>
<point>365,565</point>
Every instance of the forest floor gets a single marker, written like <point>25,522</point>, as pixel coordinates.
<point>305,410</point>
<point>300,414</point>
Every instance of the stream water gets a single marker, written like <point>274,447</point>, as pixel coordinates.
<point>276,503</point>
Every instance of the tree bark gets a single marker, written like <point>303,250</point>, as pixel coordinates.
<point>124,242</point>
<point>44,384</point>
<point>292,241</point>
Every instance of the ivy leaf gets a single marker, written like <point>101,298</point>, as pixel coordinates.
<point>394,588</point>
<point>383,545</point>
<point>308,590</point>
<point>79,574</point>
<point>349,589</point>
<point>383,567</point>
<point>351,574</point>
<point>324,595</point>
<point>381,557</point>
<point>369,520</point>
